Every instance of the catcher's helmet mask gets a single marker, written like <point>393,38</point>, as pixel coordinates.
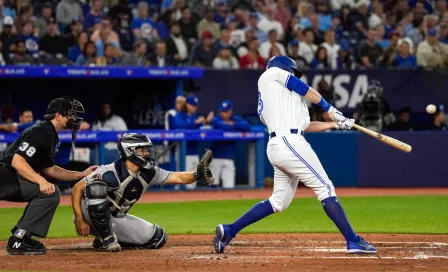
<point>138,149</point>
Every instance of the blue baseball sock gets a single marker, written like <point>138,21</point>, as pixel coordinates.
<point>258,212</point>
<point>334,210</point>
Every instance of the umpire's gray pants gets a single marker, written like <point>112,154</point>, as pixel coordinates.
<point>39,212</point>
<point>129,229</point>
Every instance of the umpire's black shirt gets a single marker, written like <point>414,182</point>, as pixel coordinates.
<point>37,144</point>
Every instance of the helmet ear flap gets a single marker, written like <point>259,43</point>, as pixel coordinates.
<point>297,73</point>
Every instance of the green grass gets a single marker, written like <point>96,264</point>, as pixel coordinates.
<point>388,214</point>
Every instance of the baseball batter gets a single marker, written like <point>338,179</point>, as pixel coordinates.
<point>102,200</point>
<point>282,108</point>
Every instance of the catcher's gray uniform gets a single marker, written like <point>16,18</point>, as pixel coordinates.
<point>124,190</point>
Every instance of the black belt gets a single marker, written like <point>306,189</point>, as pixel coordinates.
<point>293,131</point>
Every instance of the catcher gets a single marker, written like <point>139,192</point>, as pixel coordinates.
<point>101,200</point>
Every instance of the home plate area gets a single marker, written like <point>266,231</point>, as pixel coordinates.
<point>251,252</point>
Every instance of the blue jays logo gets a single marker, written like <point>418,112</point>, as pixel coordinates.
<point>260,104</point>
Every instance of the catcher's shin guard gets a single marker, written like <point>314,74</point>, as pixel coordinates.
<point>98,208</point>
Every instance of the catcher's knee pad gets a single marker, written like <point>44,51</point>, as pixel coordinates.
<point>98,207</point>
<point>158,239</point>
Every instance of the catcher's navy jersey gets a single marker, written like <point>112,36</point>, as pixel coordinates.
<point>124,187</point>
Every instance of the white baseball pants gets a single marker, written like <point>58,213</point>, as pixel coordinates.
<point>295,161</point>
<point>224,171</point>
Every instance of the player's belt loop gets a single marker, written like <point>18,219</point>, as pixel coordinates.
<point>292,130</point>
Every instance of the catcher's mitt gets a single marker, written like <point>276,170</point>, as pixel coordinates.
<point>203,173</point>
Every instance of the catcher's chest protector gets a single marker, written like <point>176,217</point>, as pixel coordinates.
<point>124,189</point>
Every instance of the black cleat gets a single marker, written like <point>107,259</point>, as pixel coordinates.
<point>25,246</point>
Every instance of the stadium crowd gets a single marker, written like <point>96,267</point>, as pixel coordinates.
<point>226,34</point>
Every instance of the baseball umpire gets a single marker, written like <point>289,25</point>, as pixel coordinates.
<point>24,167</point>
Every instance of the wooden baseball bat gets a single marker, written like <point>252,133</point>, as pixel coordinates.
<point>385,139</point>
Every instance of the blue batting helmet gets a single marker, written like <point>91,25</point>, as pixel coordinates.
<point>285,63</point>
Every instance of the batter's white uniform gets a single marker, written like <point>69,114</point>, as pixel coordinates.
<point>291,155</point>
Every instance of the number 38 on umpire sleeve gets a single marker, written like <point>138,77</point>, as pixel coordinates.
<point>30,150</point>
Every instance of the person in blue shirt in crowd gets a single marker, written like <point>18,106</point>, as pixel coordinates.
<point>221,12</point>
<point>93,17</point>
<point>142,26</point>
<point>189,119</point>
<point>404,58</point>
<point>224,152</point>
<point>31,41</point>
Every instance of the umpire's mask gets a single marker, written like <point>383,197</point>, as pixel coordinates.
<point>70,108</point>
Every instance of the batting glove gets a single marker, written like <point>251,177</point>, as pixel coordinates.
<point>336,115</point>
<point>347,124</point>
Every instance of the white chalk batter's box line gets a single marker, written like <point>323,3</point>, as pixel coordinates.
<point>227,257</point>
<point>254,243</point>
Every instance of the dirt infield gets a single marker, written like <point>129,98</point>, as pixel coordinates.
<point>274,252</point>
<point>254,252</point>
<point>179,196</point>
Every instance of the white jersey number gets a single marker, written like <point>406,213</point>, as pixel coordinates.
<point>30,150</point>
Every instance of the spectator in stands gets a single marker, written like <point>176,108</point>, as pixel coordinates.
<point>188,26</point>
<point>67,11</point>
<point>108,121</point>
<point>142,26</point>
<point>2,60</point>
<point>160,58</point>
<point>221,12</point>
<point>31,41</point>
<point>403,120</point>
<point>346,59</point>
<point>405,59</point>
<point>332,48</point>
<point>252,60</point>
<point>417,35</point>
<point>120,15</point>
<point>237,36</point>
<point>253,26</point>
<point>76,28</point>
<point>7,37</point>
<point>2,15</point>
<point>224,152</point>
<point>88,56</point>
<point>138,56</point>
<point>361,20</point>
<point>41,22</point>
<point>20,56</point>
<point>164,22</point>
<point>308,49</point>
<point>208,25</point>
<point>390,54</point>
<point>24,14</point>
<point>112,36</point>
<point>93,18</point>
<point>78,48</point>
<point>376,18</point>
<point>170,115</point>
<point>443,33</point>
<point>315,27</point>
<point>203,53</point>
<point>241,49</point>
<point>293,52</point>
<point>53,43</point>
<point>293,24</point>
<point>380,39</point>
<point>323,15</point>
<point>438,121</point>
<point>347,20</point>
<point>177,46</point>
<point>225,60</point>
<point>265,47</point>
<point>370,51</point>
<point>431,53</point>
<point>320,61</point>
<point>104,39</point>
<point>111,56</point>
<point>440,8</point>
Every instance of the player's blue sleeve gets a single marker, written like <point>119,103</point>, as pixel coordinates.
<point>295,84</point>
<point>242,124</point>
<point>183,121</point>
<point>218,123</point>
